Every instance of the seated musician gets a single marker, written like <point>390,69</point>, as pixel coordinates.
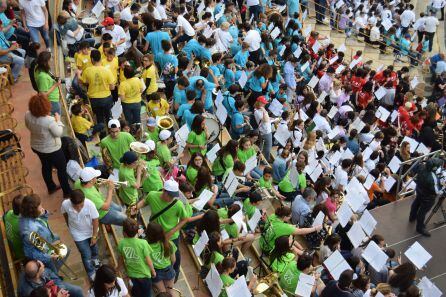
<point>163,151</point>
<point>34,218</point>
<point>266,182</point>
<point>109,212</point>
<point>12,218</point>
<point>129,164</point>
<point>228,266</point>
<point>287,189</point>
<point>115,144</point>
<point>153,130</point>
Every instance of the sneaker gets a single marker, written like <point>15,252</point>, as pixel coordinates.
<point>48,50</point>
<point>96,263</point>
<point>92,277</point>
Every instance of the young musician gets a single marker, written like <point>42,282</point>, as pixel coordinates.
<point>129,164</point>
<point>115,144</point>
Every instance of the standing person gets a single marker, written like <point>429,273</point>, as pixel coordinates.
<point>82,219</point>
<point>34,16</point>
<point>130,92</point>
<point>118,34</point>
<point>184,30</point>
<point>262,119</point>
<point>431,23</point>
<point>136,254</point>
<point>46,82</point>
<point>100,82</point>
<point>320,7</point>
<point>253,39</point>
<point>255,9</point>
<point>149,74</point>
<point>46,143</point>
<point>426,191</point>
<point>107,284</point>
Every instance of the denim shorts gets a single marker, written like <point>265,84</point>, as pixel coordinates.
<point>164,274</point>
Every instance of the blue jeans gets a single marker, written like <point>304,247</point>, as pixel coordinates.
<point>141,287</point>
<point>88,253</point>
<point>255,10</point>
<point>256,173</point>
<point>34,33</point>
<point>266,143</point>
<point>75,291</point>
<point>132,112</point>
<point>114,216</point>
<point>55,107</point>
<point>16,60</point>
<point>176,265</point>
<point>78,89</point>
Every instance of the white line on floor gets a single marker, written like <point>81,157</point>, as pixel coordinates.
<point>416,236</point>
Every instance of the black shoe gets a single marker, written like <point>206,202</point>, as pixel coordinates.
<point>411,220</point>
<point>424,232</point>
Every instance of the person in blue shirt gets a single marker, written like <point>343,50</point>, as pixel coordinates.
<point>154,38</point>
<point>189,114</point>
<point>258,82</point>
<point>228,99</point>
<point>281,94</point>
<point>228,73</point>
<point>405,45</point>
<point>352,142</point>
<point>195,47</point>
<point>307,71</point>
<point>205,53</point>
<point>242,56</point>
<point>11,54</point>
<point>203,88</point>
<point>168,64</point>
<point>293,7</point>
<point>238,125</point>
<point>179,92</point>
<point>276,80</point>
<point>190,95</point>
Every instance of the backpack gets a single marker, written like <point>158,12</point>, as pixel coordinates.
<point>31,70</point>
<point>168,72</point>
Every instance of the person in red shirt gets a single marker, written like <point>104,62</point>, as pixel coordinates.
<point>358,80</point>
<point>365,97</point>
<point>357,56</point>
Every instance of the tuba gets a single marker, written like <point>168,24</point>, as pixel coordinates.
<point>165,122</point>
<point>266,283</point>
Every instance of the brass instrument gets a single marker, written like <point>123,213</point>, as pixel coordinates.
<point>102,181</point>
<point>106,158</point>
<point>58,249</point>
<point>164,122</point>
<point>129,211</point>
<point>266,283</point>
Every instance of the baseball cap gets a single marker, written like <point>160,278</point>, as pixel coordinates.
<point>165,134</point>
<point>262,99</point>
<point>108,21</point>
<point>88,173</point>
<point>114,124</point>
<point>129,157</point>
<point>151,144</point>
<point>171,187</point>
<point>151,122</point>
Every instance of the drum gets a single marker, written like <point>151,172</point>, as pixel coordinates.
<point>89,23</point>
<point>213,126</point>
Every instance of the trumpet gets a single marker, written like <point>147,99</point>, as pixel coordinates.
<point>117,184</point>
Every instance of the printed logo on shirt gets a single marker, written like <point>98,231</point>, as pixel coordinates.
<point>130,253</point>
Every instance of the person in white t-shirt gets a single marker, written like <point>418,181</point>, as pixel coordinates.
<point>107,284</point>
<point>82,219</point>
<point>407,18</point>
<point>262,119</point>
<point>419,26</point>
<point>113,5</point>
<point>254,40</point>
<point>184,30</point>
<point>130,15</point>
<point>438,5</point>
<point>430,27</point>
<point>341,175</point>
<point>118,34</point>
<point>34,16</point>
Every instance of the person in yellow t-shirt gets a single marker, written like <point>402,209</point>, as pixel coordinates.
<point>110,61</point>
<point>82,57</point>
<point>122,62</point>
<point>157,106</point>
<point>100,82</point>
<point>83,124</point>
<point>106,43</point>
<point>130,92</point>
<point>149,74</point>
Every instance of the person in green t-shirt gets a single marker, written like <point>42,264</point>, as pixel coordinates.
<point>129,193</point>
<point>228,267</point>
<point>46,83</point>
<point>251,203</point>
<point>225,159</point>
<point>245,152</point>
<point>153,180</point>
<point>153,130</point>
<point>198,135</point>
<point>163,151</point>
<point>137,256</point>
<point>286,187</point>
<point>115,144</point>
<point>205,182</point>
<point>109,212</point>
<point>266,182</point>
<point>195,162</point>
<point>278,225</point>
<point>163,255</point>
<point>215,253</point>
<point>12,227</point>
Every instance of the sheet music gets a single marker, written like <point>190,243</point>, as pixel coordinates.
<point>182,133</point>
<point>282,135</point>
<point>239,288</point>
<point>375,256</point>
<point>307,31</point>
<point>204,197</point>
<point>340,69</point>
<point>422,149</point>
<point>200,7</point>
<point>333,60</point>
<point>339,4</point>
<point>344,214</point>
<point>221,113</point>
<point>250,164</point>
<point>276,107</point>
<point>297,52</point>
<point>336,264</point>
<point>414,82</point>
<point>356,234</point>
<point>304,66</point>
<point>201,243</point>
<point>224,234</point>
<point>212,153</point>
<point>213,281</point>
<point>316,46</point>
<point>382,113</point>
<point>355,201</point>
<point>313,81</point>
<point>116,110</point>
<point>319,220</point>
<point>394,164</point>
<point>358,125</point>
<point>219,98</point>
<point>366,153</point>
<point>388,183</point>
<point>238,218</point>
<point>367,222</point>
<point>294,175</point>
<point>316,173</point>
<point>255,219</point>
<point>369,181</point>
<point>418,255</point>
<point>275,33</point>
<point>428,289</point>
<point>231,183</point>
<point>347,154</point>
<point>321,97</point>
<point>98,9</point>
<point>243,79</point>
<point>305,285</point>
<point>342,48</point>
<point>333,111</point>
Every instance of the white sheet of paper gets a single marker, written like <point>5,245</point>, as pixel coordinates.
<point>213,281</point>
<point>221,113</point>
<point>413,143</point>
<point>307,31</point>
<point>98,9</point>
<point>201,243</point>
<point>316,46</point>
<point>297,52</point>
<point>347,154</point>
<point>332,112</point>
<point>282,51</point>
<point>239,288</point>
<point>208,31</point>
<point>414,82</point>
<point>366,153</point>
<point>200,7</point>
<point>321,97</point>
<point>238,218</point>
<point>243,79</point>
<point>354,200</point>
<point>231,183</point>
<point>275,33</point>
<point>367,222</point>
<point>182,133</point>
<point>344,214</point>
<point>294,175</point>
<point>357,124</point>
<point>382,113</point>
<point>276,107</point>
<point>212,153</point>
<point>116,110</point>
<point>375,256</point>
<point>255,219</point>
<point>388,183</point>
<point>428,288</point>
<point>393,116</point>
<point>303,115</point>
<point>333,60</point>
<point>313,81</point>
<point>353,63</point>
<point>336,264</point>
<point>356,234</point>
<point>204,197</point>
<point>316,173</point>
<point>342,48</point>
<point>340,69</point>
<point>394,164</point>
<point>114,176</point>
<point>304,15</point>
<point>220,14</point>
<point>219,98</point>
<point>270,26</point>
<point>418,255</point>
<point>319,220</point>
<point>334,159</point>
<point>422,149</point>
<point>381,92</point>
<point>369,181</point>
<point>282,135</point>
<point>304,285</point>
<point>224,234</point>
<point>334,132</point>
<point>386,23</point>
<point>339,4</point>
<point>250,164</point>
<point>304,66</point>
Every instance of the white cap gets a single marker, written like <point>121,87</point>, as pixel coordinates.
<point>151,144</point>
<point>164,134</point>
<point>88,173</point>
<point>171,187</point>
<point>114,122</point>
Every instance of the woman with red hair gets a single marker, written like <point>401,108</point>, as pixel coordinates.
<point>46,143</point>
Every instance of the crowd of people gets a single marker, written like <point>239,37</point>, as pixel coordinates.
<point>206,112</point>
